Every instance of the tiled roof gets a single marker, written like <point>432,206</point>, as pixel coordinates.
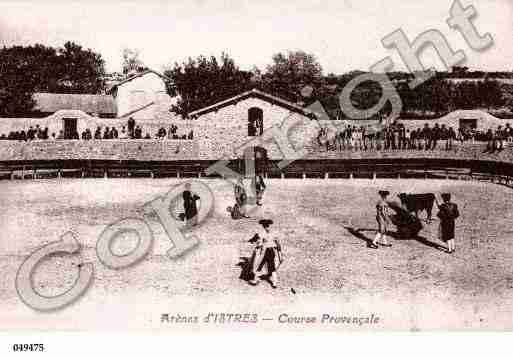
<point>258,94</point>
<point>52,102</point>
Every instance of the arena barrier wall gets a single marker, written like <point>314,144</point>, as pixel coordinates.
<point>178,158</point>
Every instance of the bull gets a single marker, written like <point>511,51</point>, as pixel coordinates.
<point>418,202</point>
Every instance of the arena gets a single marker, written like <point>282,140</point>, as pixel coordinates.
<point>323,226</point>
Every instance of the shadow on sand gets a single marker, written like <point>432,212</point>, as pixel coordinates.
<point>359,233</point>
<point>246,273</point>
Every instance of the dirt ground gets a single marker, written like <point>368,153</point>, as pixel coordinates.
<point>323,226</point>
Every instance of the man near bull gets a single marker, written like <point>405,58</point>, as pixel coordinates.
<point>448,212</point>
<point>383,219</point>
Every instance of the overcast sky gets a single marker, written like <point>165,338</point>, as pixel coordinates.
<point>343,34</point>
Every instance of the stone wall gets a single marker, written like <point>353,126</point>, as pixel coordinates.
<point>173,150</point>
<point>466,151</point>
<point>144,150</point>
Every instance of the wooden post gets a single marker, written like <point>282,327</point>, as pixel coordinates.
<point>304,175</point>
<point>282,175</point>
<point>351,175</point>
<point>59,173</point>
<point>178,174</point>
<point>105,173</point>
<point>12,175</point>
<point>152,175</point>
<point>374,176</point>
<point>327,175</point>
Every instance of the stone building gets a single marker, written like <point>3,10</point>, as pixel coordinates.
<point>227,127</point>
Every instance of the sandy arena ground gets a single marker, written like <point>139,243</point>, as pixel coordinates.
<point>323,226</point>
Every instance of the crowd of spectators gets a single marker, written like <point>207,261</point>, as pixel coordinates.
<point>130,131</point>
<point>397,137</point>
<point>32,133</point>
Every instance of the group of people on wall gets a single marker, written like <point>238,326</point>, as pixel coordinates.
<point>398,137</point>
<point>129,131</point>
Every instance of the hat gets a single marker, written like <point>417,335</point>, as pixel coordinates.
<point>265,222</point>
<point>446,196</point>
<point>383,193</point>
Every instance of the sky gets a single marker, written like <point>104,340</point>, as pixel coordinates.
<point>345,35</point>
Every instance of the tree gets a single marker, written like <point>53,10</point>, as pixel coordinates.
<point>132,62</point>
<point>82,71</point>
<point>204,81</point>
<point>28,69</point>
<point>290,73</point>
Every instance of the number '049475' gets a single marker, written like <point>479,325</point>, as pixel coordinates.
<point>28,347</point>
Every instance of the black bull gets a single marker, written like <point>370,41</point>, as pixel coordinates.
<point>418,202</point>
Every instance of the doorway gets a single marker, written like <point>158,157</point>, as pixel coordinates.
<point>70,128</point>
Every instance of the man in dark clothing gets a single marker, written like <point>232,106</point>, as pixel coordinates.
<point>98,133</point>
<point>106,133</point>
<point>451,136</point>
<point>138,132</point>
<point>162,133</point>
<point>259,187</point>
<point>447,214</point>
<point>131,127</point>
<point>30,134</point>
<point>435,136</point>
<point>189,205</point>
<point>426,136</point>
<point>114,133</point>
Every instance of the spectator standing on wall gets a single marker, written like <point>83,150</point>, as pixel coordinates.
<point>114,133</point>
<point>138,132</point>
<point>490,143</point>
<point>161,134</point>
<point>499,138</point>
<point>451,136</point>
<point>123,135</point>
<point>98,133</point>
<point>508,131</point>
<point>407,139</point>
<point>106,133</point>
<point>435,136</point>
<point>444,136</point>
<point>426,137</point>
<point>131,127</point>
